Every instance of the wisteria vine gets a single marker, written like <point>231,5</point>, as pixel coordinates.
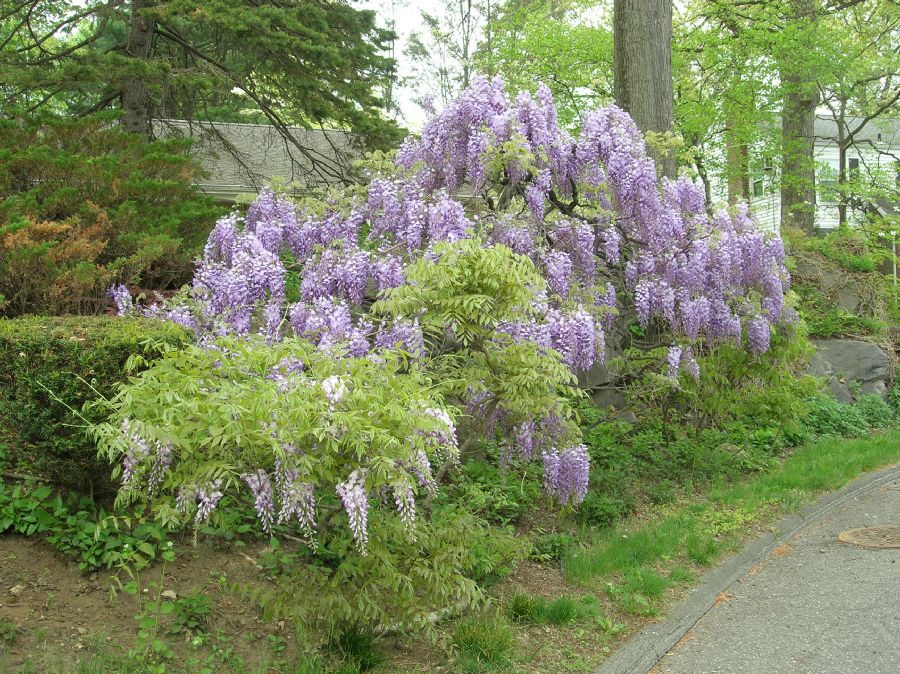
<point>612,240</point>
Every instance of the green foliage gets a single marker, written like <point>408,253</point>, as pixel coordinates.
<point>850,249</point>
<point>83,204</point>
<point>540,611</point>
<point>51,367</point>
<point>551,547</point>
<point>893,399</point>
<point>154,608</point>
<point>192,613</point>
<point>219,414</point>
<point>399,584</point>
<point>827,416</point>
<point>845,263</point>
<point>231,64</point>
<point>758,392</point>
<point>357,643</point>
<point>640,592</point>
<point>483,643</point>
<point>573,57</point>
<point>77,527</point>
<point>7,632</point>
<point>473,289</point>
<point>876,413</point>
<point>499,495</point>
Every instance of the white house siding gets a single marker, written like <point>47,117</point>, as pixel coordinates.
<point>767,209</point>
<point>884,135</point>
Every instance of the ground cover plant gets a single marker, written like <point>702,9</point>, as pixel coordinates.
<point>850,264</point>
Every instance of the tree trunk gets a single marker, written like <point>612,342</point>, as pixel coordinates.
<point>642,65</point>
<point>135,90</point>
<point>798,116</point>
<point>842,178</point>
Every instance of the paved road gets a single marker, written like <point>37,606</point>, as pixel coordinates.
<point>814,606</point>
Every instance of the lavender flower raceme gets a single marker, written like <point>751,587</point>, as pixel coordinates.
<point>122,298</point>
<point>207,499</point>
<point>566,474</point>
<point>261,487</point>
<point>356,504</point>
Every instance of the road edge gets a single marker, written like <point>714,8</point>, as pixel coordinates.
<point>645,649</point>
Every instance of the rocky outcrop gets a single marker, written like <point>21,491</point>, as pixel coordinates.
<point>848,363</point>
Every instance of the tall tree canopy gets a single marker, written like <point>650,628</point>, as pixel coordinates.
<point>285,62</point>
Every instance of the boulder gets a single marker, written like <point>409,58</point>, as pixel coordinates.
<point>849,362</point>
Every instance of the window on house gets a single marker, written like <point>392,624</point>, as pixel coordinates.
<point>758,187</point>
<point>853,165</point>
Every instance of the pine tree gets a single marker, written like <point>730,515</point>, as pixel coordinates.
<point>286,62</point>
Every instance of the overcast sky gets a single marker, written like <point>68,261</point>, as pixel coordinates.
<point>408,20</point>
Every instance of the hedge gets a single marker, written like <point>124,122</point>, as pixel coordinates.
<point>49,368</point>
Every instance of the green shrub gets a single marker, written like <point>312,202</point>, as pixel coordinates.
<point>499,495</point>
<point>893,398</point>
<point>83,203</point>
<point>400,583</point>
<point>827,416</point>
<point>192,613</point>
<point>483,643</point>
<point>874,410</point>
<point>50,367</point>
<point>551,547</point>
<point>600,509</point>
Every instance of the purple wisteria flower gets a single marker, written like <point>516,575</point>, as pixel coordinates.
<point>208,497</point>
<point>261,487</point>
<point>122,298</point>
<point>566,474</point>
<point>356,504</point>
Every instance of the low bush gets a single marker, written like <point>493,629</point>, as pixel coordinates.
<point>49,368</point>
<point>483,643</point>
<point>551,547</point>
<point>83,203</point>
<point>77,527</point>
<point>828,416</point>
<point>875,411</point>
<point>893,399</point>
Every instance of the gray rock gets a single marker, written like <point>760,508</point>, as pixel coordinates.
<point>840,391</point>
<point>609,397</point>
<point>878,387</point>
<point>848,300</point>
<point>847,362</point>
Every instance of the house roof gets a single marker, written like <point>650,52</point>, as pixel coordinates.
<point>881,131</point>
<point>241,158</point>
